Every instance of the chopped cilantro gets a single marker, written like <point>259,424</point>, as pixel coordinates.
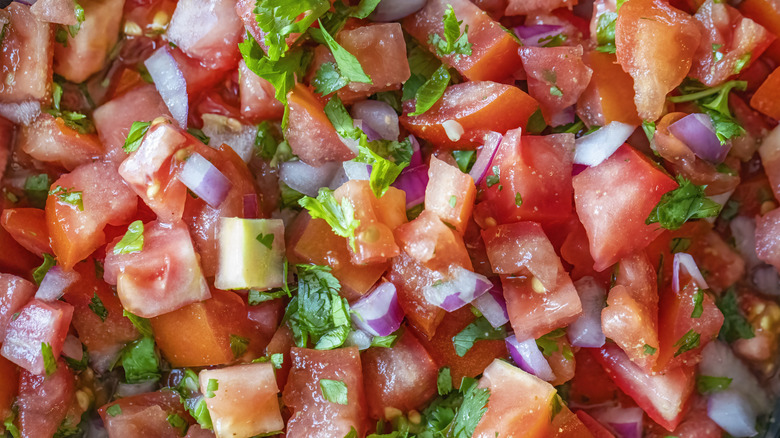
<point>679,244</point>
<point>36,188</point>
<point>605,32</point>
<point>743,61</point>
<point>68,196</point>
<point>279,19</point>
<point>453,201</point>
<point>177,422</point>
<point>536,123</point>
<point>735,326</point>
<point>136,136</point>
<point>518,199</point>
<point>276,360</point>
<point>81,364</point>
<point>676,207</point>
<point>114,410</point>
<point>478,330</point>
<point>189,391</point>
<point>384,171</point>
<point>97,307</point>
<point>431,91</point>
<point>279,72</point>
<point>335,391</point>
<point>266,144</point>
<point>464,159</point>
<point>211,386</point>
<point>197,133</point>
<point>266,239</point>
<point>687,342</point>
<point>444,381</point>
<point>493,178</point>
<point>555,91</point>
<point>133,240</point>
<point>340,216</point>
<point>40,271</point>
<point>698,299</point>
<point>49,361</point>
<point>708,384</point>
<point>256,297</point>
<point>328,79</point>
<point>348,65</point>
<point>139,360</point>
<point>143,325</point>
<point>549,344</point>
<point>649,350</point>
<point>471,411</point>
<point>717,55</point>
<point>238,345</point>
<point>392,98</point>
<point>715,102</point>
<point>730,210</point>
<point>454,42</point>
<point>553,40</point>
<point>340,119</point>
<point>384,341</point>
<point>649,128</point>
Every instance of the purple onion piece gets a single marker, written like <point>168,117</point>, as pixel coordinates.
<point>624,422</point>
<point>586,330</point>
<point>529,358</point>
<point>599,145</point>
<point>170,83</point>
<point>485,157</point>
<point>697,132</point>
<point>205,180</point>
<point>492,304</point>
<point>686,261</point>
<point>392,10</point>
<point>416,159</point>
<point>460,289</point>
<point>55,282</point>
<point>413,181</point>
<point>537,35</point>
<point>378,117</point>
<point>378,312</point>
<point>371,135</point>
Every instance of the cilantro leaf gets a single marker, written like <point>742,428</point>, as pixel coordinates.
<point>133,240</point>
<point>708,384</point>
<point>279,19</point>
<point>676,207</point>
<point>340,216</point>
<point>36,188</point>
<point>211,386</point>
<point>444,381</point>
<point>96,305</point>
<point>68,196</point>
<point>265,142</point>
<point>189,391</point>
<point>335,391</point>
<point>454,41</point>
<point>649,350</point>
<point>679,244</point>
<point>49,361</point>
<point>136,136</point>
<point>478,330</point>
<point>471,411</point>
<point>266,239</point>
<point>698,308</point>
<point>383,171</point>
<point>713,101</point>
<point>238,345</point>
<point>340,119</point>
<point>549,344</point>
<point>649,129</point>
<point>687,342</point>
<point>139,360</point>
<point>177,422</point>
<point>328,79</point>
<point>431,91</point>
<point>364,8</point>
<point>384,341</point>
<point>279,72</point>
<point>349,66</point>
<point>143,325</point>
<point>464,159</point>
<point>276,360</point>
<point>256,297</point>
<point>114,410</point>
<point>40,271</point>
<point>735,325</point>
<point>605,32</point>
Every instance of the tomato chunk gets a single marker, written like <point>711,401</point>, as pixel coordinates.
<point>763,99</point>
<point>25,58</point>
<point>767,243</point>
<point>208,30</point>
<point>38,322</point>
<point>143,415</point>
<point>258,101</point>
<point>48,139</point>
<point>450,194</point>
<point>44,400</point>
<point>16,292</point>
<point>525,7</point>
<point>9,386</point>
<point>610,93</point>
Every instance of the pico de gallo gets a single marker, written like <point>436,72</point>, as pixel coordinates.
<point>390,218</point>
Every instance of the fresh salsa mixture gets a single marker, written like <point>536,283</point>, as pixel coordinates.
<point>389,218</point>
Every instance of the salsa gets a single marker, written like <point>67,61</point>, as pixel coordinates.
<point>389,218</point>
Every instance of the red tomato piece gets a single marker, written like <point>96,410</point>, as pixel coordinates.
<point>76,233</point>
<point>15,259</point>
<point>613,200</point>
<point>28,227</point>
<point>410,277</point>
<point>431,242</point>
<point>655,45</point>
<point>518,402</point>
<point>763,101</point>
<point>591,384</point>
<point>556,77</point>
<point>164,276</point>
<point>208,30</point>
<point>195,431</point>
<point>143,415</point>
<point>6,141</point>
<point>38,322</point>
<point>562,367</point>
<point>313,416</point>
<point>534,180</point>
<point>664,397</point>
<point>44,400</point>
<point>264,319</point>
<point>568,425</point>
<point>493,50</point>
<point>9,386</point>
<point>281,343</point>
<point>765,13</point>
<point>767,237</point>
<point>610,93</point>
<point>695,424</point>
<point>309,131</point>
<point>478,107</point>
<point>595,428</point>
<point>246,402</point>
<point>739,42</point>
<point>402,377</point>
<point>25,59</point>
<point>258,101</point>
<point>524,7</point>
<point>16,292</point>
<point>450,194</point>
<point>48,139</point>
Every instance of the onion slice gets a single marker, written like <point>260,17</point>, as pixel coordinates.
<point>416,159</point>
<point>597,146</point>
<point>357,171</point>
<point>170,83</point>
<point>462,288</point>
<point>413,181</point>
<point>205,180</point>
<point>378,117</point>
<point>624,422</point>
<point>492,304</point>
<point>732,412</point>
<point>305,178</point>
<point>378,312</point>
<point>72,348</point>
<point>485,156</point>
<point>392,10</point>
<point>697,132</point>
<point>55,282</point>
<point>529,358</point>
<point>586,330</point>
<point>686,261</point>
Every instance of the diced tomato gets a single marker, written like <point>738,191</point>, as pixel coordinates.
<point>15,259</point>
<point>767,14</point>
<point>450,194</point>
<point>534,180</point>
<point>591,384</point>
<point>195,431</point>
<point>76,233</point>
<point>208,30</point>
<point>6,141</point>
<point>9,386</point>
<point>402,377</point>
<point>431,242</point>
<point>493,50</point>
<point>518,402</point>
<point>312,414</point>
<point>25,59</point>
<point>695,424</point>
<point>38,322</point>
<point>246,403</point>
<point>655,45</point>
<point>44,400</point>
<point>309,131</point>
<point>258,101</point>
<point>767,242</point>
<point>374,241</point>
<point>28,227</point>
<point>143,415</point>
<point>556,77</point>
<point>281,343</point>
<point>410,277</point>
<point>48,139</point>
<point>563,367</point>
<point>114,118</point>
<point>664,397</point>
<point>738,40</point>
<point>631,316</point>
<point>609,96</point>
<point>576,252</point>
<point>613,200</point>
<point>524,7</point>
<point>595,428</point>
<point>200,333</point>
<point>566,424</point>
<point>162,277</point>
<point>763,100</point>
<point>478,107</point>
<point>246,10</point>
<point>264,319</point>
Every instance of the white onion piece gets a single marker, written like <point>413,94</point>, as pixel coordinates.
<point>392,10</point>
<point>54,283</point>
<point>624,422</point>
<point>307,179</point>
<point>529,358</point>
<point>766,279</point>
<point>721,199</point>
<point>205,180</point>
<point>685,260</point>
<point>697,132</point>
<point>378,312</point>
<point>360,339</point>
<point>413,181</point>
<point>492,305</point>
<point>485,156</point>
<point>170,83</point>
<point>460,289</point>
<point>744,231</point>
<point>732,412</point>
<point>357,171</point>
<point>131,389</point>
<point>377,116</point>
<point>72,348</point>
<point>596,147</point>
<point>718,360</point>
<point>229,131</point>
<point>21,113</point>
<point>586,330</point>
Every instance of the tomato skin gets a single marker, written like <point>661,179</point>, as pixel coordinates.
<point>38,322</point>
<point>25,57</point>
<point>655,45</point>
<point>609,95</point>
<point>493,51</point>
<point>258,101</point>
<point>613,200</point>
<point>569,425</point>
<point>538,170</point>
<point>9,385</point>
<point>591,384</point>
<point>446,183</point>
<point>48,139</point>
<point>207,30</point>
<point>765,13</point>
<point>505,107</point>
<point>144,415</point>
<point>313,415</point>
<point>410,277</point>
<point>763,101</point>
<point>402,377</point>
<point>28,227</point>
<point>44,400</point>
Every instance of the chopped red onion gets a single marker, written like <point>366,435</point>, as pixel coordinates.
<point>371,135</point>
<point>307,179</point>
<point>485,156</point>
<point>718,360</point>
<point>378,312</point>
<point>413,181</point>
<point>686,261</point>
<point>416,159</point>
<point>55,282</point>
<point>21,113</point>
<point>537,35</point>
<point>205,180</point>
<point>624,422</point>
<point>563,117</point>
<point>528,357</point>
<point>492,304</point>
<point>597,146</point>
<point>732,412</point>
<point>460,289</point>
<point>357,170</point>
<point>392,10</point>
<point>170,82</point>
<point>377,116</point>
<point>586,330</point>
<point>697,132</point>
<point>766,279</point>
<point>251,206</point>
<point>72,348</point>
